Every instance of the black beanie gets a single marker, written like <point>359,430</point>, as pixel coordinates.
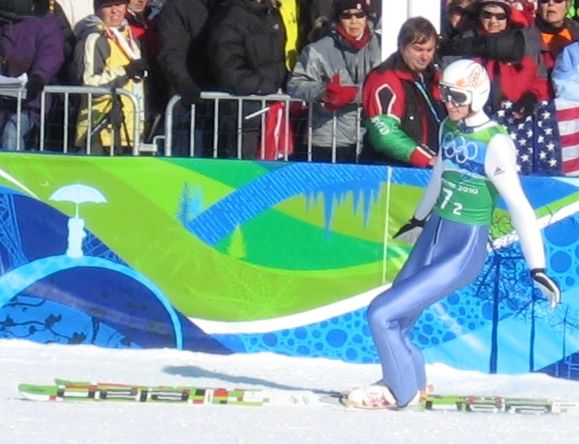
<point>100,3</point>
<point>343,5</point>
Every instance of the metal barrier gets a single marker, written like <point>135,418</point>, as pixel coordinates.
<point>211,128</point>
<point>265,101</point>
<point>70,109</point>
<point>90,92</point>
<point>207,133</point>
<point>11,90</point>
<point>215,115</point>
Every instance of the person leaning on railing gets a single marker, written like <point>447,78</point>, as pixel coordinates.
<point>247,48</point>
<point>330,73</point>
<point>108,56</point>
<point>32,44</point>
<point>184,62</point>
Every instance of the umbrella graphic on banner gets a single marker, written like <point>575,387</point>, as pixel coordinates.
<point>78,194</point>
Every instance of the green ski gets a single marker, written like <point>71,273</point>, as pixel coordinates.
<point>63,390</point>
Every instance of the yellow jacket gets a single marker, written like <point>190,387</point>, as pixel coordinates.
<point>289,11</point>
<point>101,60</point>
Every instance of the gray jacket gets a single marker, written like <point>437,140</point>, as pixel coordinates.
<point>317,63</point>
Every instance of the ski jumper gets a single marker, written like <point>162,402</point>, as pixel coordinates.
<point>475,166</point>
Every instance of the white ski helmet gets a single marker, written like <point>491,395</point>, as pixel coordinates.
<point>465,82</point>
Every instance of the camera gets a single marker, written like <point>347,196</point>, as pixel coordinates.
<point>508,46</point>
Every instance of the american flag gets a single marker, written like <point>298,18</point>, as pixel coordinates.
<point>536,138</point>
<point>568,119</point>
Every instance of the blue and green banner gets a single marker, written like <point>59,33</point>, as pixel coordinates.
<point>232,256</point>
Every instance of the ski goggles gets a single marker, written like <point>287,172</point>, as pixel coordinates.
<point>458,97</point>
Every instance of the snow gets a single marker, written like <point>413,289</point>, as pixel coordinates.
<point>42,422</point>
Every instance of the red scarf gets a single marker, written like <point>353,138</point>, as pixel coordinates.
<point>357,44</point>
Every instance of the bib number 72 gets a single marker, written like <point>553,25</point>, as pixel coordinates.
<point>446,197</point>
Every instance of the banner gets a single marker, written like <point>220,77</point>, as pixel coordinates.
<point>231,256</point>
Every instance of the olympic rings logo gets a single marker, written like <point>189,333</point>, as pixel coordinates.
<point>458,149</point>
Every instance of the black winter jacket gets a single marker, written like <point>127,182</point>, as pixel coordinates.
<point>182,44</point>
<point>246,43</point>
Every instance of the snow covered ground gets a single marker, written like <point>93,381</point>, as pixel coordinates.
<point>79,423</point>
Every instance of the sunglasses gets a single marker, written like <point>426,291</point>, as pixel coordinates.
<point>455,96</point>
<point>546,2</point>
<point>349,15</point>
<point>489,15</point>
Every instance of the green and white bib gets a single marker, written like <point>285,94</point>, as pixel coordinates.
<point>466,195</point>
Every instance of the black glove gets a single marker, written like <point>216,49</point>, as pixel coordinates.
<point>410,231</point>
<point>34,87</point>
<point>190,95</point>
<point>526,104</point>
<point>136,69</point>
<point>547,286</point>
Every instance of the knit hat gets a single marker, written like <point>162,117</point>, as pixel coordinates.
<point>502,3</point>
<point>344,5</point>
<point>101,3</point>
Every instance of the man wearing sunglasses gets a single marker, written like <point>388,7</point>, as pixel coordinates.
<point>450,228</point>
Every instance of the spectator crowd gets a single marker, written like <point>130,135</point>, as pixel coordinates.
<point>357,107</point>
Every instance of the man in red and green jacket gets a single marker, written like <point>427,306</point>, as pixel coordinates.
<point>401,100</point>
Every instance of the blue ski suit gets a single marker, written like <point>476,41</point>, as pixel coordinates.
<point>475,166</point>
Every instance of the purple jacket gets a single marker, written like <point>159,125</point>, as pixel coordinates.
<point>34,46</point>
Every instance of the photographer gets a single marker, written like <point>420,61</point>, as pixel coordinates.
<point>521,95</point>
<point>498,42</point>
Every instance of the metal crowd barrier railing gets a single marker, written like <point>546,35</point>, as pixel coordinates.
<point>264,102</point>
<point>66,92</point>
<point>69,108</point>
<point>163,141</point>
<point>217,99</point>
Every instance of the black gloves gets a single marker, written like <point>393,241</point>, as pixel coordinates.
<point>547,286</point>
<point>136,69</point>
<point>526,104</point>
<point>34,87</point>
<point>190,95</point>
<point>410,231</point>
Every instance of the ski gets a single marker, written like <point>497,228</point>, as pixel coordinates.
<point>75,391</point>
<point>475,404</point>
<point>81,391</point>
<point>498,404</point>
